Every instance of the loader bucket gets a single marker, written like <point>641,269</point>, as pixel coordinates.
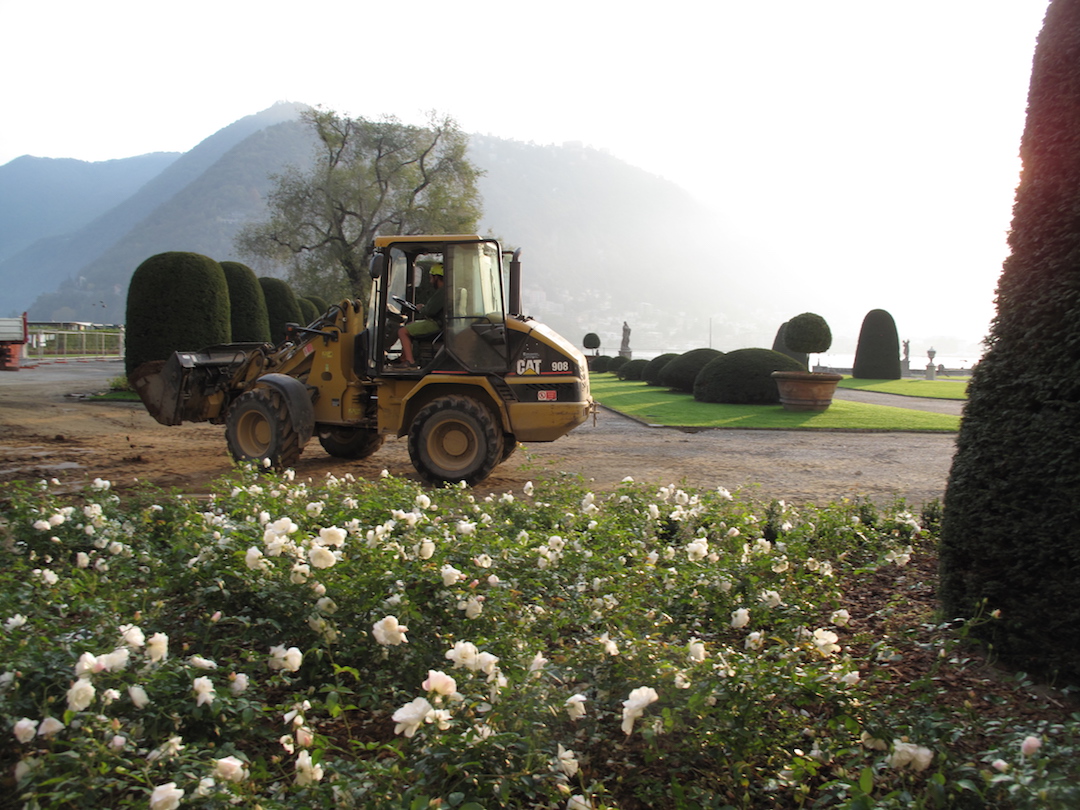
<point>188,387</point>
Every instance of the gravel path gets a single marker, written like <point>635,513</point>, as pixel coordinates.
<point>49,429</point>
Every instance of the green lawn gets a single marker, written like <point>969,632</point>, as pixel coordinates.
<point>661,406</point>
<point>951,388</point>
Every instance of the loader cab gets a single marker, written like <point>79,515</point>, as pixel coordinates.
<point>473,333</point>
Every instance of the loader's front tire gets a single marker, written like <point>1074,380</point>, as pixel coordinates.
<point>258,427</point>
<point>351,443</point>
<point>455,438</point>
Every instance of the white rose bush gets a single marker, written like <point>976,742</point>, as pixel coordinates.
<point>378,644</point>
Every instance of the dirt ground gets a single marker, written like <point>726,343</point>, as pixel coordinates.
<point>49,429</point>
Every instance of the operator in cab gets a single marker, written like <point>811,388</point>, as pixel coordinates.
<point>429,324</point>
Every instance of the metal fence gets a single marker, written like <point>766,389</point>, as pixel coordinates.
<point>45,344</point>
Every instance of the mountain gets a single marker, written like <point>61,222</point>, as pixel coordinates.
<point>42,197</point>
<point>602,241</point>
<point>60,262</point>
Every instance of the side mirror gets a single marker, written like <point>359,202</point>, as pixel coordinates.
<point>378,265</point>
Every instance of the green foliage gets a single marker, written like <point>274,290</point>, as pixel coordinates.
<point>1011,530</point>
<point>409,648</point>
<point>321,304</point>
<point>591,341</point>
<point>631,369</point>
<point>877,355</point>
<point>679,409</point>
<point>600,363</point>
<point>808,333</point>
<point>282,306</point>
<point>308,310</point>
<point>742,377</point>
<point>651,373</point>
<point>367,178</point>
<point>176,302</point>
<point>247,304</point>
<point>779,345</point>
<point>615,363</point>
<point>681,372</point>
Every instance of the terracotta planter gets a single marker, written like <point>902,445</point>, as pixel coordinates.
<point>806,390</point>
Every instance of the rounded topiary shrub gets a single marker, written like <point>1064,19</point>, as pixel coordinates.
<point>877,355</point>
<point>281,306</point>
<point>247,304</point>
<point>176,302</point>
<point>321,304</point>
<point>591,341</point>
<point>600,363</point>
<point>680,372</point>
<point>616,362</point>
<point>651,373</point>
<point>808,333</point>
<point>631,369</point>
<point>309,311</point>
<point>743,377</point>
<point>779,345</point>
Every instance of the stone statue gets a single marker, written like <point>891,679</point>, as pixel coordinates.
<point>624,350</point>
<point>907,348</point>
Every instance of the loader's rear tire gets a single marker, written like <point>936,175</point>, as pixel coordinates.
<point>258,427</point>
<point>455,438</point>
<point>509,446</point>
<point>351,443</point>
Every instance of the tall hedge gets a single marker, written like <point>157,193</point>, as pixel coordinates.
<point>247,304</point>
<point>780,345</point>
<point>1011,527</point>
<point>743,377</point>
<point>680,372</point>
<point>877,354</point>
<point>321,304</point>
<point>281,306</point>
<point>176,302</point>
<point>309,312</point>
<point>651,372</point>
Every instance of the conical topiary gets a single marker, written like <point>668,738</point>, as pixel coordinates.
<point>780,346</point>
<point>247,304</point>
<point>176,302</point>
<point>1010,541</point>
<point>877,355</point>
<point>281,306</point>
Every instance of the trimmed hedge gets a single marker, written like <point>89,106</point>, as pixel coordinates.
<point>808,333</point>
<point>600,363</point>
<point>176,301</point>
<point>591,341</point>
<point>877,355</point>
<point>680,372</point>
<point>281,306</point>
<point>1010,538</point>
<point>779,345</point>
<point>247,304</point>
<point>651,374</point>
<point>631,369</point>
<point>321,304</point>
<point>309,311</point>
<point>743,377</point>
<point>615,362</point>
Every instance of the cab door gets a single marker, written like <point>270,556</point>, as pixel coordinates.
<point>475,329</point>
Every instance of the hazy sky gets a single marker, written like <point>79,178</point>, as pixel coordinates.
<point>862,153</point>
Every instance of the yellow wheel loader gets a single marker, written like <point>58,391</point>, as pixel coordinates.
<point>487,378</point>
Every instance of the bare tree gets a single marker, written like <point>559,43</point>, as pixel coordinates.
<point>367,178</point>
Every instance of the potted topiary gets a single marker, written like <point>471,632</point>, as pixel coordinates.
<point>807,390</point>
